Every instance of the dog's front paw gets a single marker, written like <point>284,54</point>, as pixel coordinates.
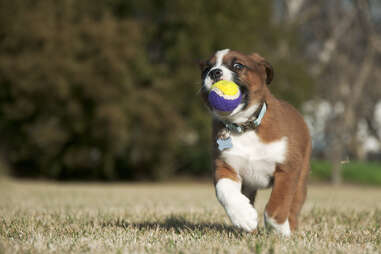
<point>243,215</point>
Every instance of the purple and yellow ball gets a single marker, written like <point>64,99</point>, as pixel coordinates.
<point>225,96</point>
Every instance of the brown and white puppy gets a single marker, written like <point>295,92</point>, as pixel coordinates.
<point>274,154</point>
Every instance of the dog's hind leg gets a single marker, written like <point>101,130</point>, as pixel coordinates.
<point>278,208</point>
<point>301,192</point>
<point>297,203</point>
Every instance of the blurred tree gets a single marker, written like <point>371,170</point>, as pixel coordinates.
<point>341,40</point>
<point>108,89</point>
<point>75,95</point>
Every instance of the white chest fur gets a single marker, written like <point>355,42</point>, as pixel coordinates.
<point>253,160</point>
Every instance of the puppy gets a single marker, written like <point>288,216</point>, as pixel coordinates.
<point>270,145</point>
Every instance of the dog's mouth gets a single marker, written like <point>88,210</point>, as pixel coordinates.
<point>242,106</point>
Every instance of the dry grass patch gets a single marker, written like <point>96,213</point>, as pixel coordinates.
<point>175,218</point>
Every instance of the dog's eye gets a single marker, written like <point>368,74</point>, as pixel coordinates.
<point>238,66</point>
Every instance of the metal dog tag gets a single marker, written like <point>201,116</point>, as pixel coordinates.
<point>224,143</point>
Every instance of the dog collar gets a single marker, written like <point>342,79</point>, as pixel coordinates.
<point>224,139</point>
<point>251,124</point>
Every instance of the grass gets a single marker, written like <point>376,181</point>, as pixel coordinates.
<point>39,217</point>
<point>353,172</point>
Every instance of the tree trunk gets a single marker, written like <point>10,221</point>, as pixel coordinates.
<point>335,159</point>
<point>336,177</point>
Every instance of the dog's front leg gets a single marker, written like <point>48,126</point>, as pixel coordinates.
<point>237,206</point>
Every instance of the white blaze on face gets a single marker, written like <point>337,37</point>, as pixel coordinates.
<point>226,73</point>
<point>220,56</point>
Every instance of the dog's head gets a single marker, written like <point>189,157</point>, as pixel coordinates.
<point>252,73</point>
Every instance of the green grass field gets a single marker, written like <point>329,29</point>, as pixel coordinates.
<point>39,217</point>
<point>353,172</point>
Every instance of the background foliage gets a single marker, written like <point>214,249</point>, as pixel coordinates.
<point>108,89</point>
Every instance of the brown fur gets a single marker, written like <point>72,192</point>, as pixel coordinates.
<point>281,120</point>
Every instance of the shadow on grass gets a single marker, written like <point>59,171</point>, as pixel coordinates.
<point>178,224</point>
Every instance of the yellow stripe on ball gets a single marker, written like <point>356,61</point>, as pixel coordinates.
<point>226,87</point>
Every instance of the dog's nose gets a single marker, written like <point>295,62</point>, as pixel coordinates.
<point>215,74</point>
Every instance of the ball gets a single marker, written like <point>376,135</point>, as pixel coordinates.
<point>225,95</point>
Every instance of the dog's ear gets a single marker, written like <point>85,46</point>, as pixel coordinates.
<point>202,65</point>
<point>269,70</point>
